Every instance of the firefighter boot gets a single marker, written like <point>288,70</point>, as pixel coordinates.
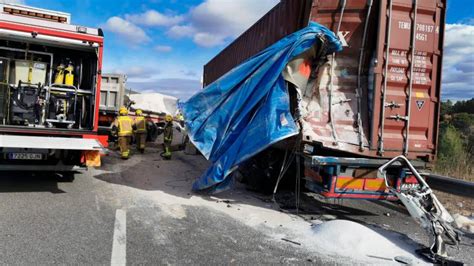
<point>167,153</point>
<point>124,147</point>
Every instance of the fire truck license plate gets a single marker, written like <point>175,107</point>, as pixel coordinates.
<point>25,156</point>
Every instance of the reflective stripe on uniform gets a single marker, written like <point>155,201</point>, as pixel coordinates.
<point>125,126</point>
<point>140,123</point>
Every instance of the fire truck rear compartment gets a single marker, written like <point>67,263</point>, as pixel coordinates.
<point>47,86</point>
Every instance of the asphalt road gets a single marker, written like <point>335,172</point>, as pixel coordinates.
<point>141,211</point>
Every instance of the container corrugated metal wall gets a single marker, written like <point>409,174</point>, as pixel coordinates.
<point>378,123</point>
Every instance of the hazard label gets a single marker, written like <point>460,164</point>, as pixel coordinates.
<point>420,104</point>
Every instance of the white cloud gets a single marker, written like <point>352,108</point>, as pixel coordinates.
<point>229,17</point>
<point>180,31</point>
<point>127,30</point>
<point>206,39</point>
<point>137,72</point>
<point>190,73</point>
<point>153,18</point>
<point>21,2</point>
<point>213,22</point>
<point>163,48</point>
<point>458,62</point>
<point>209,24</point>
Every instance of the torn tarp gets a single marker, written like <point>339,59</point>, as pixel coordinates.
<point>248,109</point>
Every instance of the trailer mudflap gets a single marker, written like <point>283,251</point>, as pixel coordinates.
<point>92,158</point>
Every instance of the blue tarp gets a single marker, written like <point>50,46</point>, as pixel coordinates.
<point>248,109</point>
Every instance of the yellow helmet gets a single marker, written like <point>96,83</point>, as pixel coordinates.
<point>168,118</point>
<point>123,110</point>
<point>139,112</point>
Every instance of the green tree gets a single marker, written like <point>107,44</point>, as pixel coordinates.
<point>463,122</point>
<point>450,143</point>
<point>464,106</point>
<point>446,108</point>
<point>456,140</point>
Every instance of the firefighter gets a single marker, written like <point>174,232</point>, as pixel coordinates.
<point>124,126</point>
<point>180,119</point>
<point>140,131</point>
<point>168,137</point>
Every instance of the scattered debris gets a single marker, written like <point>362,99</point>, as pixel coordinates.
<point>228,205</point>
<point>291,241</point>
<point>387,214</point>
<point>464,223</point>
<point>377,257</point>
<point>404,260</point>
<point>328,217</point>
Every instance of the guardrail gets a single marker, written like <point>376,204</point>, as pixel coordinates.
<point>450,185</point>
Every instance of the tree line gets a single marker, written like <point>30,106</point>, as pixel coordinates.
<point>456,139</point>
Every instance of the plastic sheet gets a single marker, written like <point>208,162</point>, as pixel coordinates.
<point>248,109</point>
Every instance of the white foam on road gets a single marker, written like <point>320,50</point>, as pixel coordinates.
<point>119,245</point>
<point>358,241</point>
<point>464,223</point>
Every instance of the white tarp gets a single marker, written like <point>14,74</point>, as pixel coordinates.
<point>155,102</point>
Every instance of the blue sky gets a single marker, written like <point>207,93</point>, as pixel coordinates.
<point>162,44</point>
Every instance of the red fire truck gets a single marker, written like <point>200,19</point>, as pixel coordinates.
<point>50,74</point>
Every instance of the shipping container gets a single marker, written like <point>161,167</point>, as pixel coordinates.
<point>380,96</point>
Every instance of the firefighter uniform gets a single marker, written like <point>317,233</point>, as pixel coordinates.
<point>168,137</point>
<point>124,125</point>
<point>180,119</point>
<point>140,131</point>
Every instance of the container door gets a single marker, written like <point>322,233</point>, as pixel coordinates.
<point>409,76</point>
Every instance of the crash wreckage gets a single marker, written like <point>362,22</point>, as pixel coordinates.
<point>311,86</point>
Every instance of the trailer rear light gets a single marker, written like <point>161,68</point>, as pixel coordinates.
<point>26,13</point>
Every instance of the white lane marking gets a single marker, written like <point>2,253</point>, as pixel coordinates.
<point>97,203</point>
<point>119,246</point>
